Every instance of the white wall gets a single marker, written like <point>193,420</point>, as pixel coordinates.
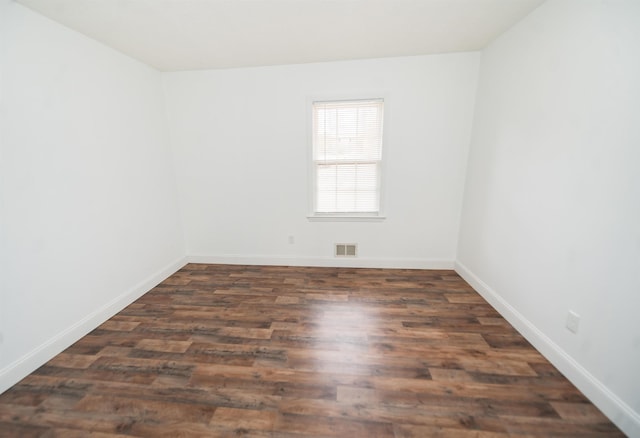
<point>88,204</point>
<point>241,147</point>
<point>551,217</point>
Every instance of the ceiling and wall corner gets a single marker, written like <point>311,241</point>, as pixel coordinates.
<point>174,35</point>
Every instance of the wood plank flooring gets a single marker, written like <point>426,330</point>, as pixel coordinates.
<point>219,350</point>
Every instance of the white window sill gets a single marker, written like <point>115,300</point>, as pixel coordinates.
<point>345,218</point>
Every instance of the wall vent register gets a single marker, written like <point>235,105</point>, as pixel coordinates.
<point>346,250</point>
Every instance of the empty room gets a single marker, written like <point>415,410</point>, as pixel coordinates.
<point>319,218</point>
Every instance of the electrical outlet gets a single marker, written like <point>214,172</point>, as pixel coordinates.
<point>573,321</point>
<point>292,240</point>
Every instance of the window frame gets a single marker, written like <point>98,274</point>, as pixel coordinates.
<point>314,216</point>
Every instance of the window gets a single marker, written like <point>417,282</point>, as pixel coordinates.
<point>347,157</point>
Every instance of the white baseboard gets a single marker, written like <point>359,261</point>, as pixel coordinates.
<point>22,367</point>
<point>620,413</point>
<point>333,262</point>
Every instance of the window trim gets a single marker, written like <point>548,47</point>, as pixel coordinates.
<point>345,217</point>
<point>314,216</point>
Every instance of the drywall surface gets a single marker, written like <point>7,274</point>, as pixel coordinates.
<point>88,204</point>
<point>242,149</point>
<point>551,216</point>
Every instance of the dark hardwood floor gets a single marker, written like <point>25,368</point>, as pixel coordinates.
<point>221,350</point>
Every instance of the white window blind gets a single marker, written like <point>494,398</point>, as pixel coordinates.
<point>347,155</point>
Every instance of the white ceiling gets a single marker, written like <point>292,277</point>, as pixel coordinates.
<point>175,35</point>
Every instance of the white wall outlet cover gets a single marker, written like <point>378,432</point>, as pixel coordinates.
<point>573,321</point>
